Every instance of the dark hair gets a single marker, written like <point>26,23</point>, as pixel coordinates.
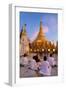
<point>50,55</point>
<point>45,58</point>
<point>36,58</point>
<point>25,55</point>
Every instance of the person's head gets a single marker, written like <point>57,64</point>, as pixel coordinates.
<point>45,58</point>
<point>50,55</point>
<point>25,55</point>
<point>35,57</point>
<point>37,60</point>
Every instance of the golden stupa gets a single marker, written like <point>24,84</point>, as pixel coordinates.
<point>41,43</point>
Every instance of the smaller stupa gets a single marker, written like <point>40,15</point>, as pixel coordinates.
<point>24,41</point>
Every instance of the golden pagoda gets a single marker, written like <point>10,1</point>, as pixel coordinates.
<point>41,36</point>
<point>41,43</point>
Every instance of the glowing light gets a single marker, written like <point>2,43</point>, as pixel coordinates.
<point>48,49</point>
<point>42,49</point>
<point>53,50</point>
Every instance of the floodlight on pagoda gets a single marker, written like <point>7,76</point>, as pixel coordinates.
<point>53,50</point>
<point>49,50</point>
<point>42,49</point>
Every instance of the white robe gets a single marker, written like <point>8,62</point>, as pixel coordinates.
<point>45,68</point>
<point>24,61</point>
<point>51,61</point>
<point>33,64</point>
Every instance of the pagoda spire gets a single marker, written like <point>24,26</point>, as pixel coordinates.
<point>41,32</point>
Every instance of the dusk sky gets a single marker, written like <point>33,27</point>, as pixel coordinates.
<point>32,21</point>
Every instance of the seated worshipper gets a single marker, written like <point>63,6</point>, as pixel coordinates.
<point>38,65</point>
<point>24,60</point>
<point>38,62</point>
<point>33,64</point>
<point>45,68</point>
<point>51,60</point>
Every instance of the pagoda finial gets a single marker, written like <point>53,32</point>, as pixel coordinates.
<point>40,23</point>
<point>41,32</point>
<point>40,19</point>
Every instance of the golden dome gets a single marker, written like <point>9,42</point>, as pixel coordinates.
<point>41,37</point>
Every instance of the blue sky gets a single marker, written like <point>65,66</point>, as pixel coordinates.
<point>32,21</point>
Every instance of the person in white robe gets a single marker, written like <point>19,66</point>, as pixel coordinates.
<point>24,60</point>
<point>45,68</point>
<point>51,60</point>
<point>33,64</point>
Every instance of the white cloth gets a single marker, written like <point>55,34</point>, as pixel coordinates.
<point>33,64</point>
<point>24,61</point>
<point>45,68</point>
<point>51,61</point>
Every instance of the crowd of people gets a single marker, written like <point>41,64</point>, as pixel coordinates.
<point>42,66</point>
